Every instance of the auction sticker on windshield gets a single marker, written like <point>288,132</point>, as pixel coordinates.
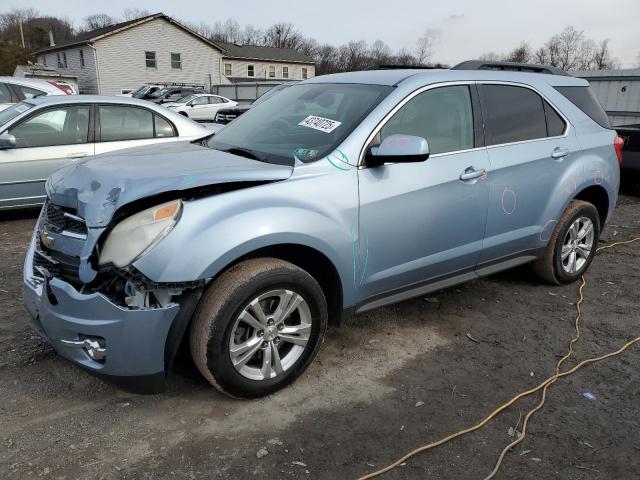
<point>325,125</point>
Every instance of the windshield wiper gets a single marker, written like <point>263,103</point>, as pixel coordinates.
<point>244,152</point>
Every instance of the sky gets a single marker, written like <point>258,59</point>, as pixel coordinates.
<point>468,27</point>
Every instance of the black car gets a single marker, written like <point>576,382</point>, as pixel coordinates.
<point>173,93</point>
<point>225,115</point>
<point>631,149</point>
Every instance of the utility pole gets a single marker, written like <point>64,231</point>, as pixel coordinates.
<point>21,31</point>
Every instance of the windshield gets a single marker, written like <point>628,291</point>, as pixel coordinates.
<point>305,121</point>
<point>185,99</point>
<point>160,93</point>
<point>13,111</point>
<point>269,93</point>
<point>142,89</point>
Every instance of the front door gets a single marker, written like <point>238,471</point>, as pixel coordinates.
<point>424,221</point>
<point>45,142</point>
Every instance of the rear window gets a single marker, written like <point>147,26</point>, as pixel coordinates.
<point>582,97</point>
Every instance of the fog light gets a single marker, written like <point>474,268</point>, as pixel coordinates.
<point>91,346</point>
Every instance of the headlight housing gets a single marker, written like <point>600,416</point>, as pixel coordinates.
<point>136,235</point>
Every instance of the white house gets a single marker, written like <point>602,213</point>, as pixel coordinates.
<point>157,49</point>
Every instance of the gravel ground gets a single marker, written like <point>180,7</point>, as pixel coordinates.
<point>384,383</point>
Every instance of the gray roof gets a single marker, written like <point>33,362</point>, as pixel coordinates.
<point>93,35</point>
<point>254,52</point>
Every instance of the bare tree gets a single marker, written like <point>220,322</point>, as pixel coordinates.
<point>541,55</point>
<point>134,13</point>
<point>228,31</point>
<point>283,35</point>
<point>353,56</point>
<point>602,58</point>
<point>491,57</point>
<point>252,35</point>
<point>404,57</point>
<point>425,45</point>
<point>520,54</point>
<point>326,59</point>
<point>566,48</point>
<point>98,20</point>
<point>380,52</point>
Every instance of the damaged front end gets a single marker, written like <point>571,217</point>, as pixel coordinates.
<point>119,325</point>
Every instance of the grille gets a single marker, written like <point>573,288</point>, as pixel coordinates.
<point>62,220</point>
<point>57,264</point>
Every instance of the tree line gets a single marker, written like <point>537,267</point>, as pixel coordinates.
<point>568,50</point>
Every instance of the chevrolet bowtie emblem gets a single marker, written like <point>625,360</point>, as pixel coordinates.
<point>46,240</point>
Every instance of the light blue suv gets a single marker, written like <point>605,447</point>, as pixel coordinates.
<point>340,194</point>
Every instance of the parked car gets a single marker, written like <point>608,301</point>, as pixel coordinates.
<point>14,90</point>
<point>630,134</point>
<point>173,93</point>
<point>228,114</point>
<point>200,106</point>
<point>40,135</point>
<point>143,90</point>
<point>341,194</point>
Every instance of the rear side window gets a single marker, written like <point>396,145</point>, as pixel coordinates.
<point>555,124</point>
<point>582,97</point>
<point>29,92</point>
<point>163,128</point>
<point>514,114</point>
<point>119,123</point>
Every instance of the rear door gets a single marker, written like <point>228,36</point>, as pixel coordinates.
<point>530,144</point>
<point>125,126</point>
<point>45,141</point>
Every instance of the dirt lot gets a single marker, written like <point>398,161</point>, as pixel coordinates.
<point>360,404</point>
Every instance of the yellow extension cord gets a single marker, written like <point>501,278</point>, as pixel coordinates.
<point>543,386</point>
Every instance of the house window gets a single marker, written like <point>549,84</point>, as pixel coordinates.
<point>251,72</point>
<point>59,60</point>
<point>272,71</point>
<point>81,58</point>
<point>227,69</point>
<point>44,60</point>
<point>64,60</point>
<point>285,72</point>
<point>176,61</point>
<point>150,59</point>
<point>305,73</point>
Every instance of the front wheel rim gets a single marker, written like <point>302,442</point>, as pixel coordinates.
<point>577,245</point>
<point>270,334</point>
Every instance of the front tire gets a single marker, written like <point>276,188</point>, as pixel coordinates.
<point>572,245</point>
<point>258,327</point>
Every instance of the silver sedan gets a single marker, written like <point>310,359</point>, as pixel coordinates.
<point>41,135</point>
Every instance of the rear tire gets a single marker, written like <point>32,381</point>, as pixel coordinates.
<point>572,245</point>
<point>258,327</point>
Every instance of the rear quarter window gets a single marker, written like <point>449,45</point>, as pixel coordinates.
<point>583,98</point>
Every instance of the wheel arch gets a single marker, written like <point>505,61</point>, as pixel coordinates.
<point>598,196</point>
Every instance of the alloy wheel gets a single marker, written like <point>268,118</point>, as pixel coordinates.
<point>577,245</point>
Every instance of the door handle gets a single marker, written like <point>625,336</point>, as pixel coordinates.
<point>77,155</point>
<point>559,152</point>
<point>471,174</point>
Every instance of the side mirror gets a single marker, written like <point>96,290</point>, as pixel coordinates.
<point>398,149</point>
<point>7,141</point>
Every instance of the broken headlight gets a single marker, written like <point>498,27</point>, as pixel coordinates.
<point>136,235</point>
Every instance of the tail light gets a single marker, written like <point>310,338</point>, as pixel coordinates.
<point>618,145</point>
<point>65,88</point>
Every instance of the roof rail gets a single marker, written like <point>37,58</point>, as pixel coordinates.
<point>391,66</point>
<point>510,66</point>
<point>175,84</point>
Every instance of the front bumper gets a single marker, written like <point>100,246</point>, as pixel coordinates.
<point>134,339</point>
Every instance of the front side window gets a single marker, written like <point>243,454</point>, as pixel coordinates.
<point>150,59</point>
<point>58,126</point>
<point>251,72</point>
<point>81,58</point>
<point>285,72</point>
<point>443,116</point>
<point>305,73</point>
<point>272,71</point>
<point>227,69</point>
<point>200,101</point>
<point>514,114</point>
<point>118,123</point>
<point>306,122</point>
<point>176,61</point>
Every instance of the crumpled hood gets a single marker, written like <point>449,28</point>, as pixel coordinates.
<point>97,187</point>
